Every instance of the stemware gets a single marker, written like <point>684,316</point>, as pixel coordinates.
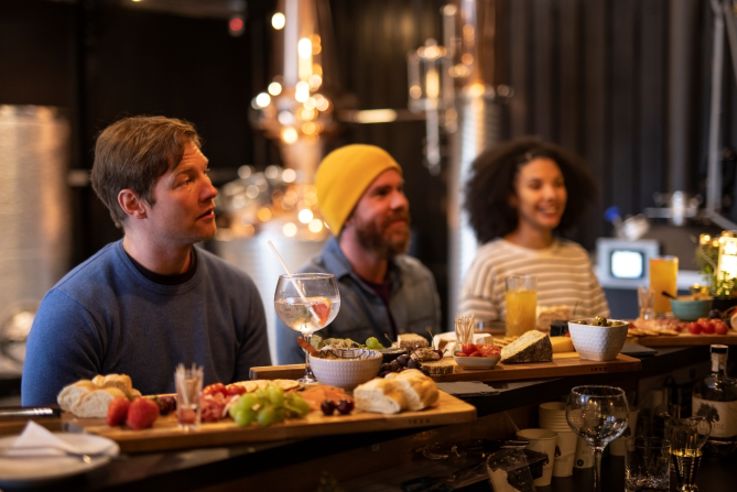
<point>307,302</point>
<point>598,414</point>
<point>688,436</point>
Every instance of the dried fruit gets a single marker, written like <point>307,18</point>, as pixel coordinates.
<point>328,407</point>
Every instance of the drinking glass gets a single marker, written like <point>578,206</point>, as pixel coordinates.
<point>521,304</point>
<point>663,277</point>
<point>598,414</point>
<point>647,465</point>
<point>687,437</point>
<point>188,385</point>
<point>307,302</point>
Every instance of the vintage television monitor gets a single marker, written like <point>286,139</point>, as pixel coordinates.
<point>624,264</point>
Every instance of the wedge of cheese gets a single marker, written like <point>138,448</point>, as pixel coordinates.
<point>531,346</point>
<point>562,344</point>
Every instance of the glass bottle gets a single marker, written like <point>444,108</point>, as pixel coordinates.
<point>715,397</point>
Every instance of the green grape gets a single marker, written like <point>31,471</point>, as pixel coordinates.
<point>248,400</point>
<point>275,395</point>
<point>373,343</point>
<point>244,417</point>
<point>266,416</point>
<point>297,404</point>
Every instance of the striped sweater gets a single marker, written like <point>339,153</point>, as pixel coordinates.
<point>563,273</point>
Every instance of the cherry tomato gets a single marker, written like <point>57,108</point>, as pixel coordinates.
<point>694,327</point>
<point>468,348</point>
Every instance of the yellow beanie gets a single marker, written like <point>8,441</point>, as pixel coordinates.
<point>343,176</point>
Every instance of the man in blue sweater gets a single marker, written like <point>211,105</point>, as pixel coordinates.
<point>152,300</point>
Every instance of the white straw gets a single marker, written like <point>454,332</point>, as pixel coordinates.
<point>294,283</point>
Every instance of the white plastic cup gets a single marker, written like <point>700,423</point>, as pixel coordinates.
<point>543,441</point>
<point>620,445</point>
<point>584,454</point>
<point>566,454</point>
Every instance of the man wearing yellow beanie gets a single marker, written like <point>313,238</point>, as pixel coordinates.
<point>360,193</point>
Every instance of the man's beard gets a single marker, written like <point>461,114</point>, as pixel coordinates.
<point>370,236</point>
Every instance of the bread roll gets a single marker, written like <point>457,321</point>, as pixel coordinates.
<point>93,404</point>
<point>71,394</point>
<point>419,390</point>
<point>380,396</point>
<point>90,398</point>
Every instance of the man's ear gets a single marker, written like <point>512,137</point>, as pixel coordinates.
<point>131,204</point>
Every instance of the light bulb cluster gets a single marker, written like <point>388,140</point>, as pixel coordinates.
<point>274,196</point>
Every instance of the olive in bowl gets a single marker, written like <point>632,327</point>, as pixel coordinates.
<point>598,340</point>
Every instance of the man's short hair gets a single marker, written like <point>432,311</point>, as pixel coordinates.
<point>133,153</point>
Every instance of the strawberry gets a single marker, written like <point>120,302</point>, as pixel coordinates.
<point>142,414</point>
<point>117,411</point>
<point>322,310</point>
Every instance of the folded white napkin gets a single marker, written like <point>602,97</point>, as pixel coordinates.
<point>36,440</point>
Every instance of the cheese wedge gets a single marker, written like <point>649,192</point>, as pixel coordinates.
<point>562,344</point>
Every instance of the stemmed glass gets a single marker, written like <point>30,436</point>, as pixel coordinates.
<point>307,302</point>
<point>688,436</point>
<point>598,414</point>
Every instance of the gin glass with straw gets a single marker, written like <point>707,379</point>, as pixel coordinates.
<point>306,302</point>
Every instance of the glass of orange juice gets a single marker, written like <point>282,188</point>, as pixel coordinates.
<point>663,276</point>
<point>521,304</point>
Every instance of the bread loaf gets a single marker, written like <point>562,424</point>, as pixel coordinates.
<point>90,398</point>
<point>419,390</point>
<point>93,404</point>
<point>379,396</point>
<point>407,390</point>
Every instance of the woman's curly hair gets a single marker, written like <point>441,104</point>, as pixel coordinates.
<point>491,183</point>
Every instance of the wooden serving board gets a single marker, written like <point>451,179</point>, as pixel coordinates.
<point>166,436</point>
<point>686,340</point>
<point>563,364</point>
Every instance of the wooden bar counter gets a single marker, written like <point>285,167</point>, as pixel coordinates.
<point>386,459</point>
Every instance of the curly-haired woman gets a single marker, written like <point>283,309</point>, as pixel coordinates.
<point>522,197</point>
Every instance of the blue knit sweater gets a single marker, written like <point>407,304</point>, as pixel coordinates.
<point>106,317</point>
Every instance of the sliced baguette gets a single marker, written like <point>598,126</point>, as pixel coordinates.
<point>380,396</point>
<point>94,403</point>
<point>419,390</point>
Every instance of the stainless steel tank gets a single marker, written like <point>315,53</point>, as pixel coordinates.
<point>34,212</point>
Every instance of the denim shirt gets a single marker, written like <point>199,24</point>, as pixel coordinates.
<point>414,303</point>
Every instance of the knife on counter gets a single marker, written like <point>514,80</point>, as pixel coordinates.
<point>10,413</point>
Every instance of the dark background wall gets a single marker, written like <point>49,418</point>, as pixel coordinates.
<point>598,76</point>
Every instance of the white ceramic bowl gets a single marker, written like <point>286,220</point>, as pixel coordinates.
<point>477,362</point>
<point>599,343</point>
<point>355,366</point>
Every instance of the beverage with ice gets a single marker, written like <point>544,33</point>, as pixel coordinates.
<point>307,302</point>
<point>307,315</point>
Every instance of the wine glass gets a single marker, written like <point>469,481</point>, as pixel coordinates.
<point>688,436</point>
<point>307,302</point>
<point>598,414</point>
